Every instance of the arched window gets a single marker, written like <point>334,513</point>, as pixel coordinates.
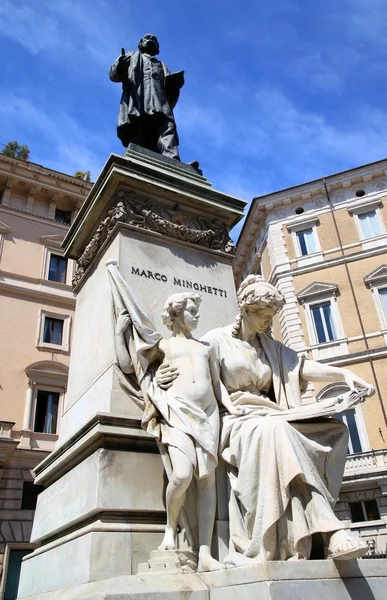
<point>358,440</point>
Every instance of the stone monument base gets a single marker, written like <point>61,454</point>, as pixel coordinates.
<point>321,579</point>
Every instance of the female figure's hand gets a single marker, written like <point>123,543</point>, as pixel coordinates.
<point>166,375</point>
<point>354,382</point>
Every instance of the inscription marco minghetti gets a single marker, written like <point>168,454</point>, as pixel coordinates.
<point>185,283</point>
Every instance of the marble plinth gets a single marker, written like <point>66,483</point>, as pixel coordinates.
<point>102,512</point>
<point>320,580</point>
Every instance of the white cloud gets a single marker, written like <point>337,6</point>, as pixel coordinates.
<point>32,28</point>
<point>60,142</point>
<point>70,28</point>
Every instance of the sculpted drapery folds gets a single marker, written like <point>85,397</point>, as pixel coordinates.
<point>285,461</point>
<point>149,94</point>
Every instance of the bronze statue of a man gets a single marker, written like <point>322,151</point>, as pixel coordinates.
<point>149,94</point>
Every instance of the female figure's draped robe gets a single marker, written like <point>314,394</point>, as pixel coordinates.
<point>285,477</point>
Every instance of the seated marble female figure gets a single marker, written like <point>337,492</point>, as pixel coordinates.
<point>284,476</point>
<point>190,414</point>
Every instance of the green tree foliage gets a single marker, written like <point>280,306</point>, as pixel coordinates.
<point>15,150</point>
<point>84,175</point>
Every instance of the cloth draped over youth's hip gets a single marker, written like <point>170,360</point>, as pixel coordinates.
<point>173,420</point>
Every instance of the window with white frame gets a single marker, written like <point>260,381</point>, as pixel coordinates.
<point>306,241</point>
<point>369,222</point>
<point>349,418</point>
<point>322,317</point>
<point>54,331</point>
<point>377,282</point>
<point>57,270</point>
<point>323,322</point>
<point>46,412</point>
<point>353,419</point>
<point>55,267</point>
<point>383,299</point>
<point>305,238</point>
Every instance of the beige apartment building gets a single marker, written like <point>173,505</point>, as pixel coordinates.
<point>37,306</point>
<point>323,244</point>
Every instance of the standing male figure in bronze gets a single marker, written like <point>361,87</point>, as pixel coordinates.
<point>149,94</point>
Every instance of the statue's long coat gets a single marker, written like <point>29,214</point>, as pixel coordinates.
<point>135,102</point>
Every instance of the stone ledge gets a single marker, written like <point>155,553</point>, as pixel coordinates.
<point>345,580</point>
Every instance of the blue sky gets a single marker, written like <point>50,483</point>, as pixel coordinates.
<point>277,92</point>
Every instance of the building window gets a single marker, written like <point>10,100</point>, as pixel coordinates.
<point>53,331</point>
<point>58,268</point>
<point>306,242</point>
<point>365,510</point>
<point>30,495</point>
<point>383,300</point>
<point>63,216</point>
<point>46,412</point>
<point>370,224</point>
<point>354,443</point>
<point>305,239</point>
<point>323,322</point>
<point>353,418</point>
<point>14,557</point>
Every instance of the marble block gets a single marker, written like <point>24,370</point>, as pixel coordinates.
<point>352,580</point>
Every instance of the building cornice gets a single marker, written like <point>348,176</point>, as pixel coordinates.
<point>32,172</point>
<point>59,293</point>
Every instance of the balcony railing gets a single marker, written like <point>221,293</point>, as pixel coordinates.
<point>366,463</point>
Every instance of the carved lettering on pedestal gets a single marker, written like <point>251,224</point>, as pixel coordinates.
<point>146,214</point>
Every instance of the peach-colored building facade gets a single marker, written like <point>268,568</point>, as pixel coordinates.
<point>324,245</point>
<point>36,307</point>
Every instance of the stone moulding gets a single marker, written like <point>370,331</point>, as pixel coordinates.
<point>147,215</point>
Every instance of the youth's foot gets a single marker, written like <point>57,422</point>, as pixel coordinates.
<point>235,559</point>
<point>168,542</point>
<point>342,546</point>
<point>207,562</point>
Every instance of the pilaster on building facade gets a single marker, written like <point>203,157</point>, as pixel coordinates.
<point>37,306</point>
<point>323,244</point>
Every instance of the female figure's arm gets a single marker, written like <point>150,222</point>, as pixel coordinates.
<point>315,371</point>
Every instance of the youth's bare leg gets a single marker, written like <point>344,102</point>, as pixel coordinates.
<point>207,506</point>
<point>182,471</point>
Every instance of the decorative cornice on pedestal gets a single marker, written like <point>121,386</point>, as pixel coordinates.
<point>149,216</point>
<point>164,199</point>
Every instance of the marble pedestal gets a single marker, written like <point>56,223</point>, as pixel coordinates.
<point>102,512</point>
<point>320,580</point>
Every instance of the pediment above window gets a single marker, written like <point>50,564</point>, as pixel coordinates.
<point>52,241</point>
<point>318,290</point>
<point>301,223</point>
<point>47,370</point>
<point>377,277</point>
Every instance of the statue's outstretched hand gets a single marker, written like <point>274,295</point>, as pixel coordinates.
<point>166,375</point>
<point>123,322</point>
<point>354,383</point>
